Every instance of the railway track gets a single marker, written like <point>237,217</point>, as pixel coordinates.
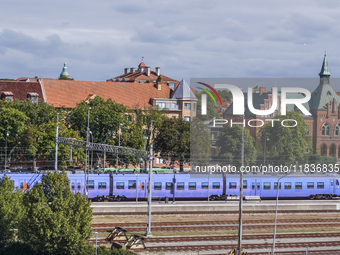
<point>214,212</point>
<point>205,227</point>
<point>224,222</point>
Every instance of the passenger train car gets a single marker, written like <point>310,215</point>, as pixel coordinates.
<point>193,186</point>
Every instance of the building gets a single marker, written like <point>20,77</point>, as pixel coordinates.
<point>136,89</point>
<point>323,124</point>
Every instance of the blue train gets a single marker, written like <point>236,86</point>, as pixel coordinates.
<point>112,187</point>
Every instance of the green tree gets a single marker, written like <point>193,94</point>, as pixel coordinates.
<point>200,143</point>
<point>230,143</point>
<point>55,220</point>
<point>286,145</point>
<point>10,211</point>
<point>173,141</point>
<point>105,117</point>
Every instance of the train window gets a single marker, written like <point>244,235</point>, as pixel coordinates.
<point>142,186</point>
<point>78,185</point>
<point>258,185</point>
<point>266,185</point>
<point>168,186</point>
<point>232,185</point>
<point>253,185</point>
<point>91,184</point>
<point>275,185</point>
<point>192,185</point>
<point>21,185</point>
<point>72,185</point>
<point>298,185</point>
<point>337,182</point>
<point>102,185</point>
<point>205,185</point>
<point>332,183</point>
<point>321,185</point>
<point>310,185</point>
<point>216,185</point>
<point>245,184</point>
<point>132,185</point>
<point>120,185</point>
<point>180,185</point>
<point>157,186</point>
<point>288,185</point>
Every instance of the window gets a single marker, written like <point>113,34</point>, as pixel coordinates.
<point>325,129</point>
<point>78,185</point>
<point>132,185</point>
<point>91,184</point>
<point>332,183</point>
<point>321,185</point>
<point>8,96</point>
<point>157,186</point>
<point>186,118</point>
<point>232,185</point>
<point>337,182</point>
<point>275,185</point>
<point>337,130</point>
<point>288,185</point>
<point>298,185</point>
<point>102,185</point>
<point>142,186</point>
<point>216,185</point>
<point>245,184</point>
<point>180,185</point>
<point>194,107</point>
<point>187,106</point>
<point>310,185</point>
<point>168,186</point>
<point>159,161</point>
<point>161,105</point>
<point>192,185</point>
<point>205,185</point>
<point>120,185</point>
<point>253,185</point>
<point>266,185</point>
<point>72,185</point>
<point>33,97</point>
<point>258,185</point>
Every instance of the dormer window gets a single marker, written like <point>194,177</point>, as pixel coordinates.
<point>8,96</point>
<point>33,97</point>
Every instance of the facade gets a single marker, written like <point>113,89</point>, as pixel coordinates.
<point>323,125</point>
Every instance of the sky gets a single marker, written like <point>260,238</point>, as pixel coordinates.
<point>186,39</point>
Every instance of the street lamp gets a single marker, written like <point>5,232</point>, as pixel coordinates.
<point>96,233</point>
<point>277,199</point>
<point>148,231</point>
<point>239,242</point>
<point>91,134</point>
<point>86,152</point>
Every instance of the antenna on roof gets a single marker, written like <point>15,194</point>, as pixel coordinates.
<point>142,59</point>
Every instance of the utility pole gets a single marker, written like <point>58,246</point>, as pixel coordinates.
<point>56,145</point>
<point>148,231</point>
<point>239,246</point>
<point>119,131</point>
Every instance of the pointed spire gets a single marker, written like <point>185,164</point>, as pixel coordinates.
<point>64,72</point>
<point>324,69</point>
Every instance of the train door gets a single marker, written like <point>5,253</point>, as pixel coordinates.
<point>332,186</point>
<point>255,187</point>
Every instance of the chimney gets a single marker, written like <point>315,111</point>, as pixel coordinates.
<point>126,70</point>
<point>158,71</point>
<point>132,70</point>
<point>148,70</point>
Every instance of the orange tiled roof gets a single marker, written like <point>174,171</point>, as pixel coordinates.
<point>20,89</point>
<point>138,76</point>
<point>68,93</point>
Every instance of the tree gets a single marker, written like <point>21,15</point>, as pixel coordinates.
<point>230,143</point>
<point>173,140</point>
<point>200,143</point>
<point>10,211</point>
<point>55,220</point>
<point>286,145</point>
<point>105,117</point>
